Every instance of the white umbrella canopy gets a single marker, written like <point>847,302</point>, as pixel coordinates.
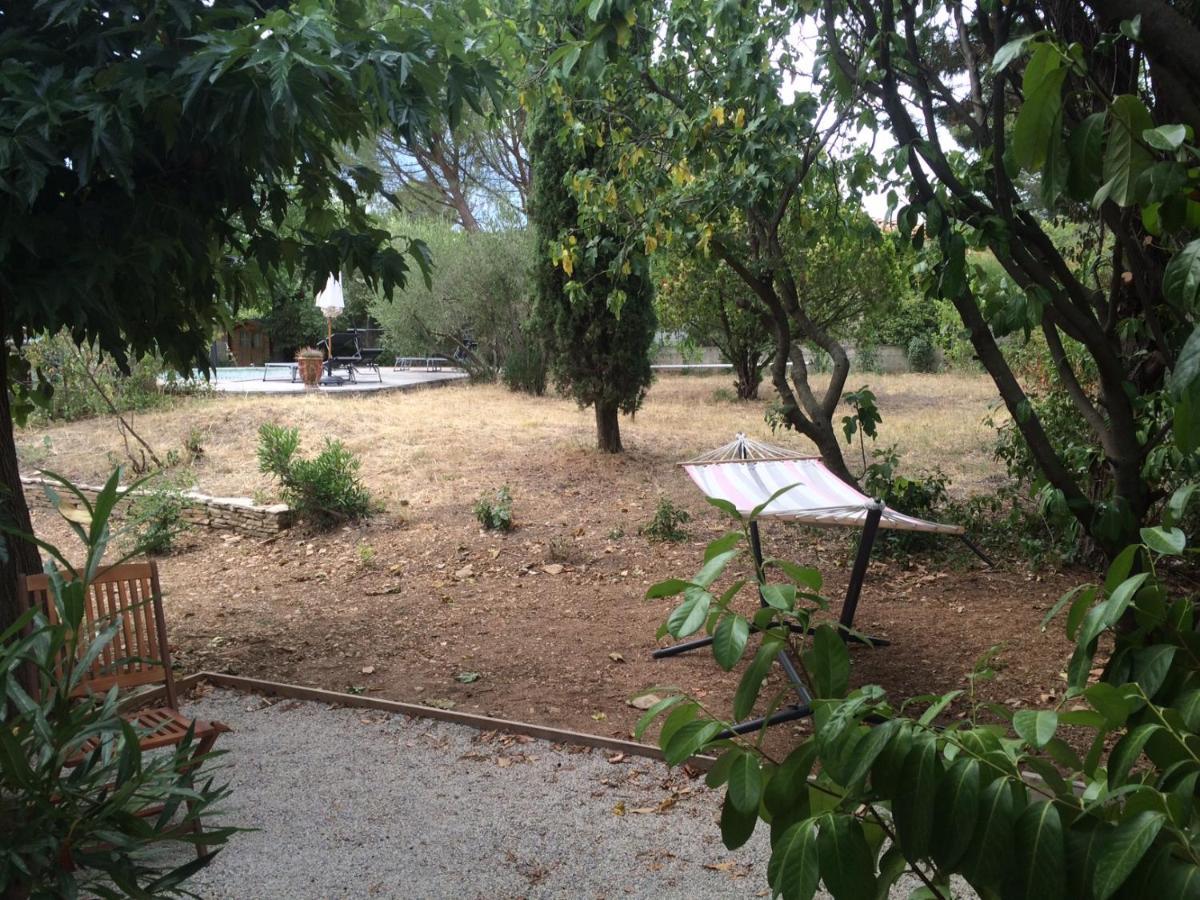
<point>330,301</point>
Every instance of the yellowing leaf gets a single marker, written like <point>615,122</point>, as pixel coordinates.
<point>651,243</point>
<point>74,514</point>
<point>718,114</point>
<point>739,117</point>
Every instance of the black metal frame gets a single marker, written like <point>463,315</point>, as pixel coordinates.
<point>858,574</point>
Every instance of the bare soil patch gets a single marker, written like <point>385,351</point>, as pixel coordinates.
<point>548,623</point>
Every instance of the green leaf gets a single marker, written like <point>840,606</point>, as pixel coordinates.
<point>751,682</point>
<point>847,863</point>
<point>653,713</point>
<point>729,640</point>
<point>1042,86</point>
<point>712,568</point>
<point>988,857</point>
<point>914,804</point>
<point>1125,158</point>
<point>1167,541</point>
<point>668,588</point>
<point>1122,849</point>
<point>1041,854</point>
<point>719,773</point>
<point>779,596</point>
<point>1085,147</point>
<point>689,740</point>
<point>828,663</point>
<point>736,827</point>
<point>722,545</point>
<point>1151,665</point>
<point>801,575</point>
<point>794,868</point>
<point>745,783</point>
<point>1111,703</point>
<point>1177,505</point>
<point>1126,753</point>
<point>688,616</point>
<point>957,807</point>
<point>1165,137</point>
<point>1181,288</point>
<point>1036,727</point>
<point>1014,49</point>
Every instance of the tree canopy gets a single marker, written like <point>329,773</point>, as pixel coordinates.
<point>152,152</point>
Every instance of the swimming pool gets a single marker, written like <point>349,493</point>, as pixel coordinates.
<point>238,373</point>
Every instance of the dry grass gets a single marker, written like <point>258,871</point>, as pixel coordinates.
<point>432,447</point>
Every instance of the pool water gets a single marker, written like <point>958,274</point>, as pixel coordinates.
<point>239,373</point>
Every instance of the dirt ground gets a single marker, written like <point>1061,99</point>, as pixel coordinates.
<point>548,623</point>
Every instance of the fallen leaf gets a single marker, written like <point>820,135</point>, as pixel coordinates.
<point>467,677</point>
<point>643,702</point>
<point>552,569</point>
<point>465,572</point>
<point>616,657</point>
<point>368,670</point>
<point>439,703</point>
<point>599,716</point>
<point>617,758</point>
<point>719,867</point>
<point>619,808</point>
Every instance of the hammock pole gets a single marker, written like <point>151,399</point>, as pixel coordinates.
<point>859,573</point>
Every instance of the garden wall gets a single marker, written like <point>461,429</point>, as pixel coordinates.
<point>889,359</point>
<point>238,514</point>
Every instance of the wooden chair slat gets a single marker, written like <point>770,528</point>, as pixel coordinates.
<point>139,653</point>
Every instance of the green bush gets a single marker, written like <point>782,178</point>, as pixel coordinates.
<point>525,370</point>
<point>924,496</point>
<point>156,519</point>
<point>949,785</point>
<point>82,380</point>
<point>324,491</point>
<point>922,356</point>
<point>667,523</point>
<point>91,829</point>
<point>494,511</point>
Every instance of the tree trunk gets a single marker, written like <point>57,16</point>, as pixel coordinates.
<point>748,368</point>
<point>608,427</point>
<point>21,557</point>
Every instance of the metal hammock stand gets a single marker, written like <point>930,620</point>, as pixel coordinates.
<point>746,473</point>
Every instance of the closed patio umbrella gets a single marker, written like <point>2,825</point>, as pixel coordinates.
<point>331,303</point>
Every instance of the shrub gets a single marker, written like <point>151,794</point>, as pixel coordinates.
<point>324,491</point>
<point>91,829</point>
<point>924,496</point>
<point>922,357</point>
<point>525,370</point>
<point>83,380</point>
<point>494,512</point>
<point>948,785</point>
<point>156,519</point>
<point>667,522</point>
<point>867,358</point>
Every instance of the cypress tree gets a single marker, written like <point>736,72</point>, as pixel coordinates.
<point>598,327</point>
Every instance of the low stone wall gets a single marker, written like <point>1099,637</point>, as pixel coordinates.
<point>239,514</point>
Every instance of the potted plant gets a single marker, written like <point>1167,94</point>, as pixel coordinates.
<point>310,362</point>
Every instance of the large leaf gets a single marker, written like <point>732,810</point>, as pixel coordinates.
<point>1123,849</point>
<point>736,827</point>
<point>1125,157</point>
<point>793,871</point>
<point>1034,128</point>
<point>1181,282</point>
<point>957,807</point>
<point>1086,150</point>
<point>914,804</point>
<point>751,681</point>
<point>1040,868</point>
<point>1036,727</point>
<point>1167,541</point>
<point>847,863</point>
<point>828,663</point>
<point>745,782</point>
<point>689,615</point>
<point>989,855</point>
<point>729,640</point>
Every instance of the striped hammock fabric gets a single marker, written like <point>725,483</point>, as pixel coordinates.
<point>746,473</point>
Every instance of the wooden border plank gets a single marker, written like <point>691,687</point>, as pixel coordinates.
<point>471,720</point>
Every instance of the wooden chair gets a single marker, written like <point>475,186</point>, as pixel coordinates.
<point>137,656</point>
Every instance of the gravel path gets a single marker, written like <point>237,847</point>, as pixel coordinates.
<point>359,803</point>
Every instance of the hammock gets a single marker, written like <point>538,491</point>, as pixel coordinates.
<point>746,473</point>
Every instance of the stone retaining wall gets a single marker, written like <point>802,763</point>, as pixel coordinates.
<point>239,514</point>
